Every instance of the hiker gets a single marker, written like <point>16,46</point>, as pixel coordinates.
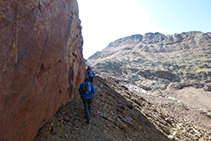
<point>87,91</point>
<point>90,73</point>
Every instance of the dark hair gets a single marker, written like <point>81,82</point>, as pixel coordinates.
<point>86,79</point>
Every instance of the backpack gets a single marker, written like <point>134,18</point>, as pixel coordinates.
<point>87,88</point>
<point>90,71</point>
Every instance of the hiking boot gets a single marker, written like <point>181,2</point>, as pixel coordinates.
<point>87,121</point>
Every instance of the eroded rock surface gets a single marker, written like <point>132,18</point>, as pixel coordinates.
<point>41,62</point>
<point>156,60</point>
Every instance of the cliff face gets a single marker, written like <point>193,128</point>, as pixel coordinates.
<point>41,63</point>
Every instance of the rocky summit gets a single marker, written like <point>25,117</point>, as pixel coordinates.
<point>156,61</point>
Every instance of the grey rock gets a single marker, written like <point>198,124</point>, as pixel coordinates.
<point>177,38</point>
<point>169,39</point>
<point>207,87</point>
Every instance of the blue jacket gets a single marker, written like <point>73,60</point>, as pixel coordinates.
<point>89,96</point>
<point>92,74</point>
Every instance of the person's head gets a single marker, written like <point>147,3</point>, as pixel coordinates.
<point>89,68</point>
<point>86,79</point>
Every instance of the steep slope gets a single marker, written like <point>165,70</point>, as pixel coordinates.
<point>173,115</point>
<point>124,113</point>
<point>155,60</point>
<point>116,119</point>
<point>41,62</point>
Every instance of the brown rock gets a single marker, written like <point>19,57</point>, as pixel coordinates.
<point>41,63</point>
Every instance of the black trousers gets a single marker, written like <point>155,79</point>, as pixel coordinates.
<point>87,108</point>
<point>91,79</point>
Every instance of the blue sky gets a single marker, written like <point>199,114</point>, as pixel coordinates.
<point>104,21</point>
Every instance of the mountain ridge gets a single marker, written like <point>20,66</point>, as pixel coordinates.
<point>179,59</point>
<point>150,38</point>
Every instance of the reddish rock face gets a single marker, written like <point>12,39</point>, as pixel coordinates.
<point>41,63</point>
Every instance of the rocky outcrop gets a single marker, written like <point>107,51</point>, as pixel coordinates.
<point>130,39</point>
<point>150,38</point>
<point>156,60</point>
<point>41,63</point>
<point>207,87</point>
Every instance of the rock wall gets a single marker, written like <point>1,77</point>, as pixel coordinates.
<point>41,63</point>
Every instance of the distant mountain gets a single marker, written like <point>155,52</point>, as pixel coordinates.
<point>156,61</point>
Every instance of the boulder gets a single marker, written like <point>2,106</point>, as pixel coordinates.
<point>148,36</point>
<point>169,39</point>
<point>167,75</point>
<point>41,63</point>
<point>207,87</point>
<point>177,38</point>
<point>176,85</point>
<point>201,40</point>
<point>159,37</point>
